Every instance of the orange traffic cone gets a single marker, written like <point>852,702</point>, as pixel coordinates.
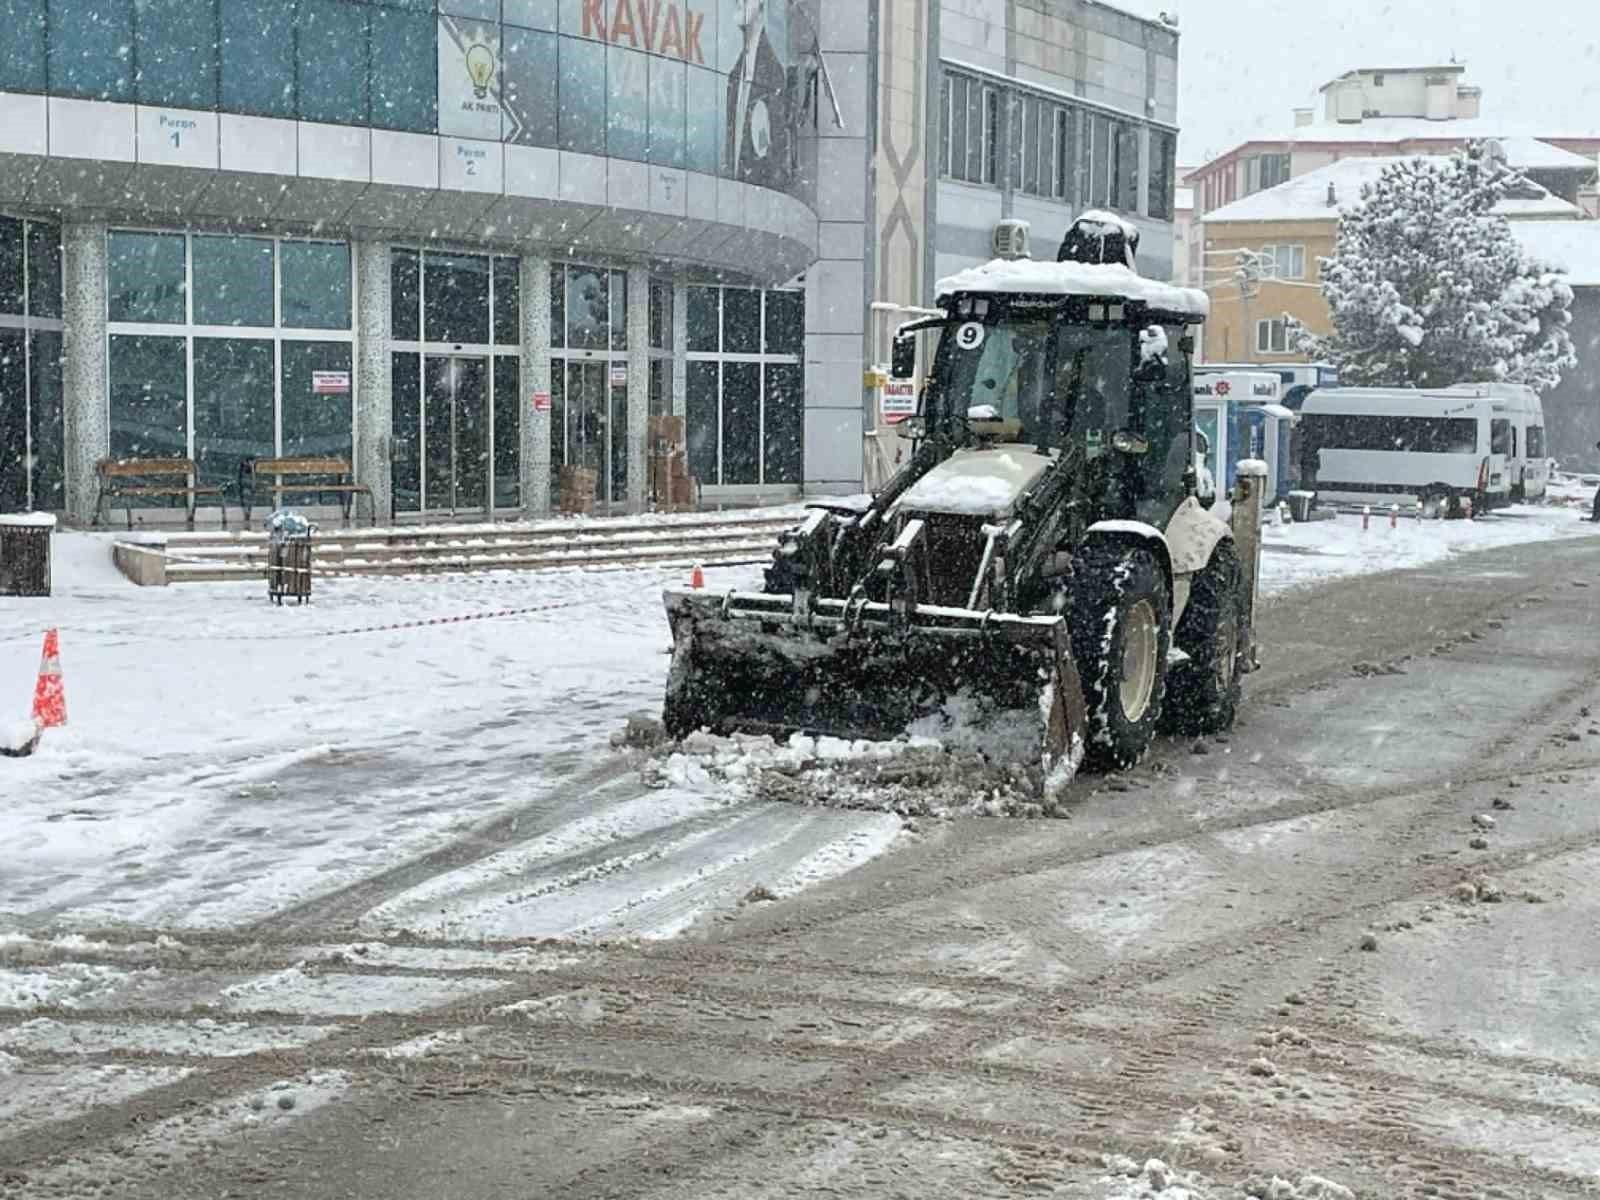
<point>697,578</point>
<point>49,701</point>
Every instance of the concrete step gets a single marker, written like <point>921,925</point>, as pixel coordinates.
<point>723,553</point>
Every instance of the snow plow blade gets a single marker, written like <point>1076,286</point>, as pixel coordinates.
<point>745,662</point>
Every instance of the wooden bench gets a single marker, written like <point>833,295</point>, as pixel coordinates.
<point>316,476</point>
<point>127,478</point>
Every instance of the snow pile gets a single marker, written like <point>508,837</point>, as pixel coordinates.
<point>1127,1180</point>
<point>1109,280</point>
<point>964,772</point>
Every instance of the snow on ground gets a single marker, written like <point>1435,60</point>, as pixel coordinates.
<point>1299,555</point>
<point>226,759</point>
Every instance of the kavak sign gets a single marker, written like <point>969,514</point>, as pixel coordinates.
<point>658,26</point>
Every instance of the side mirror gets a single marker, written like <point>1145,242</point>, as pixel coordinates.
<point>1203,443</point>
<point>903,357</point>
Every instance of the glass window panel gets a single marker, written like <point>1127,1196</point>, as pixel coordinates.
<point>145,277</point>
<point>619,310</point>
<point>668,147</point>
<point>44,269</point>
<point>22,26</point>
<point>701,421</point>
<point>405,296</point>
<point>944,126</point>
<point>741,422</point>
<point>148,385</point>
<point>661,316</point>
<point>1019,150</point>
<point>991,134</point>
<point>741,321</point>
<point>528,85</point>
<point>1100,171</point>
<point>313,424</point>
<point>91,49</point>
<point>588,294</point>
<point>405,454</point>
<point>704,118</point>
<point>783,423</point>
<point>660,386</point>
<point>618,433</point>
<point>232,281</point>
<point>958,127</point>
<point>1127,182</point>
<point>455,290</point>
<point>704,317</point>
<point>48,416</point>
<point>558,306</point>
<point>405,78</point>
<point>232,406</point>
<point>558,421</point>
<point>581,122</point>
<point>786,322</point>
<point>628,97</point>
<point>507,433</point>
<point>175,49</point>
<point>12,296</point>
<point>13,421</point>
<point>257,57</point>
<point>331,37</point>
<point>314,278</point>
<point>507,301</point>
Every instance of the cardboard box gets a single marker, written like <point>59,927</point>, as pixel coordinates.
<point>665,433</point>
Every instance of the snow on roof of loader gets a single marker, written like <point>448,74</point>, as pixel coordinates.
<point>1074,279</point>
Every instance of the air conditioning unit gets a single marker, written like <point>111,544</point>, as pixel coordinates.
<point>1011,239</point>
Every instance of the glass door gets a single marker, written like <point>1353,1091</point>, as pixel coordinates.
<point>455,434</point>
<point>596,415</point>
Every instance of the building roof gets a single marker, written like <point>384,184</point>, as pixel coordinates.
<point>1447,69</point>
<point>1572,246</point>
<point>1305,197</point>
<point>1527,150</point>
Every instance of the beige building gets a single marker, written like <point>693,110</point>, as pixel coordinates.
<point>1390,112</point>
<point>1261,256</point>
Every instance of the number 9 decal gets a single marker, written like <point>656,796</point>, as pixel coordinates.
<point>970,335</point>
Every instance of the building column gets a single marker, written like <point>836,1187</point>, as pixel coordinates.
<point>374,394</point>
<point>638,383</point>
<point>86,417</point>
<point>535,380</point>
<point>680,350</point>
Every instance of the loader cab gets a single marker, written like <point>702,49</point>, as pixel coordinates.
<point>1103,379</point>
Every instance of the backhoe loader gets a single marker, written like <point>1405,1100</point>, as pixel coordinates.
<point>1046,571</point>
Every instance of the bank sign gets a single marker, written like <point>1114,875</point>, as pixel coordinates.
<point>704,85</point>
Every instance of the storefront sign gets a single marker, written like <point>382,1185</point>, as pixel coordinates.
<point>619,376</point>
<point>899,400</point>
<point>330,383</point>
<point>469,78</point>
<point>541,402</point>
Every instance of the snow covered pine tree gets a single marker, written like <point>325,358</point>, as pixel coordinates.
<point>1428,286</point>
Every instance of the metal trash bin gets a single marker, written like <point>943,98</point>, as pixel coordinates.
<point>1300,505</point>
<point>25,554</point>
<point>289,557</point>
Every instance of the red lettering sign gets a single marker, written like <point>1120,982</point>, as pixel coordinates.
<point>622,24</point>
<point>675,33</point>
<point>672,35</point>
<point>691,37</point>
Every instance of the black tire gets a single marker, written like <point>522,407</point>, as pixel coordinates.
<point>1116,593</point>
<point>1203,693</point>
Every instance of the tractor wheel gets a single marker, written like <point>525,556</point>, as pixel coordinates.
<point>1121,629</point>
<point>1203,693</point>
